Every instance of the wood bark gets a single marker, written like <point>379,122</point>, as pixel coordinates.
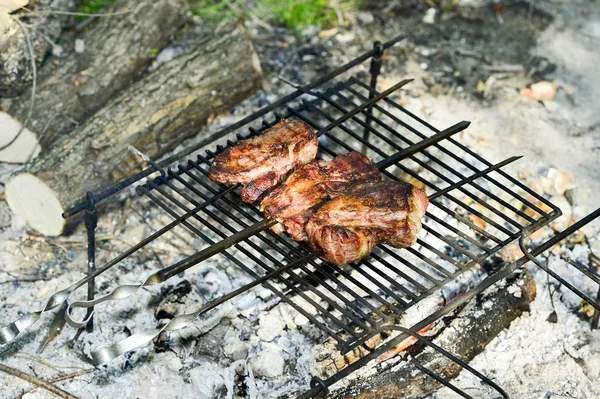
<point>117,50</point>
<point>43,28</point>
<point>466,336</point>
<point>154,114</point>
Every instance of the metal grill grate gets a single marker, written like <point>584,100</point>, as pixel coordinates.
<point>462,228</point>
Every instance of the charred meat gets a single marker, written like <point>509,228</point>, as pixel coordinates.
<point>347,228</point>
<point>318,181</point>
<point>261,162</point>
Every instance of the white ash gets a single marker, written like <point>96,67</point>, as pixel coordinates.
<point>270,326</point>
<point>268,363</point>
<point>536,358</point>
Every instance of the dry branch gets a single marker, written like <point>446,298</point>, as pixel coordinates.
<point>154,114</point>
<point>37,381</point>
<point>58,379</point>
<point>117,50</point>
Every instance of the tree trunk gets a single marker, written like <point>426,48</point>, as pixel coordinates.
<point>117,50</point>
<point>43,28</point>
<point>154,114</point>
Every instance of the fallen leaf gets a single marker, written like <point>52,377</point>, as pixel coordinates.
<point>511,253</point>
<point>328,34</point>
<point>480,87</point>
<point>557,182</point>
<point>541,91</point>
<point>477,221</point>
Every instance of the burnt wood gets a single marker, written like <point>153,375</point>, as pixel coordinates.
<point>465,336</point>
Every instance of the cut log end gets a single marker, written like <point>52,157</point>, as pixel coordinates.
<point>22,147</point>
<point>33,199</point>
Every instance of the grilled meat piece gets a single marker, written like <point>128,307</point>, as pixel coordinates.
<point>263,161</point>
<point>312,184</point>
<point>348,227</point>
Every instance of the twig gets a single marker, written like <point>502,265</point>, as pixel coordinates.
<point>23,280</point>
<point>78,14</point>
<point>338,12</point>
<point>58,379</point>
<point>34,73</point>
<point>37,381</point>
<point>504,68</point>
<point>37,359</point>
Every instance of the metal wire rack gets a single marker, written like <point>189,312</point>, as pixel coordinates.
<point>403,277</point>
<point>476,209</point>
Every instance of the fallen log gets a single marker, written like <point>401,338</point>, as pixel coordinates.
<point>42,28</point>
<point>154,114</point>
<point>116,51</point>
<point>466,336</point>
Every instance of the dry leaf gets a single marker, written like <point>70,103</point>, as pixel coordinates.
<point>556,182</point>
<point>477,221</point>
<point>541,91</point>
<point>328,34</point>
<point>567,213</point>
<point>480,87</point>
<point>511,253</point>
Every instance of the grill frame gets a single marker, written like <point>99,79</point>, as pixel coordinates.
<point>325,275</point>
<point>166,188</point>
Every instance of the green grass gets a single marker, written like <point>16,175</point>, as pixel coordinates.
<point>92,7</point>
<point>215,10</point>
<point>298,15</point>
<point>295,14</point>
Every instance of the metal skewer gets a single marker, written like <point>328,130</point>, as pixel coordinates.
<point>106,353</point>
<point>12,330</point>
<point>183,265</point>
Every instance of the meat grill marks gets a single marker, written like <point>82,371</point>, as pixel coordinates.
<point>348,227</point>
<point>261,162</point>
<point>309,186</point>
<point>340,206</point>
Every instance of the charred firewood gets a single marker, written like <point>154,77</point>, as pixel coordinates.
<point>466,333</point>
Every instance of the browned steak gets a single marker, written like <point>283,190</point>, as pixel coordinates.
<point>312,184</point>
<point>263,161</point>
<point>347,228</point>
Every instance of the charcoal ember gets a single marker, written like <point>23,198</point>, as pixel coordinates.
<point>177,300</point>
<point>214,283</point>
<point>212,381</point>
<point>211,344</point>
<point>270,327</point>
